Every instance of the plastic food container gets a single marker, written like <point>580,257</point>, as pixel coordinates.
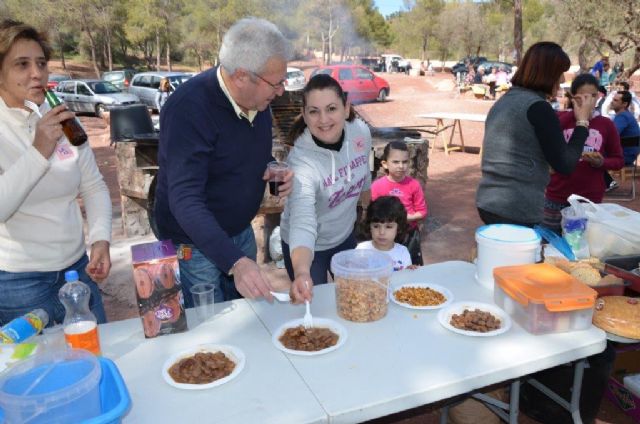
<point>362,284</point>
<point>502,245</point>
<point>544,299</point>
<point>54,387</point>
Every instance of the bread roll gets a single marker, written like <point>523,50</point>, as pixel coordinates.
<point>618,315</point>
<point>610,279</point>
<point>586,274</point>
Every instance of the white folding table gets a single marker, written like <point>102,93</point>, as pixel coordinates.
<point>408,359</point>
<point>405,360</point>
<point>268,390</point>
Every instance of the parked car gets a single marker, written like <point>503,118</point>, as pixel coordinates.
<point>54,80</point>
<point>361,84</point>
<point>93,96</point>
<point>489,64</point>
<point>402,63</point>
<point>120,78</point>
<point>462,65</point>
<point>145,85</point>
<point>295,79</point>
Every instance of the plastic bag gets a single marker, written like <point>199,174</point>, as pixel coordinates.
<point>613,230</point>
<point>275,248</point>
<point>574,228</point>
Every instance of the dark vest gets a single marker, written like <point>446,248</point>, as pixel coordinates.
<point>514,170</point>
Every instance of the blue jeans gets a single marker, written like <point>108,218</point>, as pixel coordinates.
<point>22,292</point>
<point>199,269</point>
<point>321,260</point>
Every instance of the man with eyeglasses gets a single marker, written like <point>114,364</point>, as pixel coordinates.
<point>215,144</point>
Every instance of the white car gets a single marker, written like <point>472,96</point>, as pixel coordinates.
<point>295,79</point>
<point>402,62</point>
<point>93,96</point>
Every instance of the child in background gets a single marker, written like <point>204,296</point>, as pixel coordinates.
<point>395,161</point>
<point>386,222</point>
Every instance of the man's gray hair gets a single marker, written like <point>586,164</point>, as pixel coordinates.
<point>250,43</point>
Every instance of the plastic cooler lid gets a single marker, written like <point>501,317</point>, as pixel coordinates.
<point>544,283</point>
<point>508,233</point>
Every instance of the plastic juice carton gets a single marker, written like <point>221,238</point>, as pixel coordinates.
<point>158,289</point>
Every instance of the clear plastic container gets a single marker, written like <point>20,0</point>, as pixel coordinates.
<point>362,284</point>
<point>544,299</point>
<point>53,387</point>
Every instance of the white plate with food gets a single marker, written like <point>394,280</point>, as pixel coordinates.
<point>473,324</point>
<point>212,363</point>
<point>421,296</point>
<point>293,331</point>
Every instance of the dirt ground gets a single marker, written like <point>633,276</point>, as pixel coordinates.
<point>450,193</point>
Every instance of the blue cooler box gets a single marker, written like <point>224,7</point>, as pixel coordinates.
<point>114,396</point>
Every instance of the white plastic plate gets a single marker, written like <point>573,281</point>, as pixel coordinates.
<point>445,292</point>
<point>444,317</point>
<point>232,352</point>
<point>332,325</point>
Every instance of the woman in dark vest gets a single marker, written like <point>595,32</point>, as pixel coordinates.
<point>523,141</point>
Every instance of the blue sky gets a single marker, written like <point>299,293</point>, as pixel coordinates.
<point>387,7</point>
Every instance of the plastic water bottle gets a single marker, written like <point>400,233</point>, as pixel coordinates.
<point>24,327</point>
<point>80,324</point>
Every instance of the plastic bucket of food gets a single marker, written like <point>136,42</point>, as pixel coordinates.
<point>54,387</point>
<point>503,245</point>
<point>362,284</point>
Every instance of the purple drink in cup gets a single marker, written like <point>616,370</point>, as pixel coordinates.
<point>277,172</point>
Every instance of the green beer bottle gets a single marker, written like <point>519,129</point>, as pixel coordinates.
<point>71,127</point>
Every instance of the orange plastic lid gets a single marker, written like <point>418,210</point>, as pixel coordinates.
<point>544,283</point>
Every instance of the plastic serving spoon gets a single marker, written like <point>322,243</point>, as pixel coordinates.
<point>282,297</point>
<point>556,241</point>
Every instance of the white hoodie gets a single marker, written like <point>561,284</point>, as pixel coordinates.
<point>321,209</point>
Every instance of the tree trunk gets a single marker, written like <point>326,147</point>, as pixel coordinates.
<point>582,55</point>
<point>92,45</point>
<point>159,49</point>
<point>109,53</point>
<point>169,56</point>
<point>61,45</point>
<point>517,30</point>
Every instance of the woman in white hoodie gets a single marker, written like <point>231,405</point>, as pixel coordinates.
<point>330,161</point>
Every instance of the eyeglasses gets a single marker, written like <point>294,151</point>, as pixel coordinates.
<point>276,86</point>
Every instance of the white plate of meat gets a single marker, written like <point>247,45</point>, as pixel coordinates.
<point>325,336</point>
<point>474,319</point>
<point>203,366</point>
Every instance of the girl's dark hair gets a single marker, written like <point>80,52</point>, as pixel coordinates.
<point>541,67</point>
<point>582,80</point>
<point>318,82</point>
<point>386,209</point>
<point>393,145</point>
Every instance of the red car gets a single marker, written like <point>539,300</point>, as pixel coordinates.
<point>361,84</point>
<point>55,79</point>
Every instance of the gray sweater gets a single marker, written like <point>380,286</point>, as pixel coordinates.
<point>321,209</point>
<point>514,170</point>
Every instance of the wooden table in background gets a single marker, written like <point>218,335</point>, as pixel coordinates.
<point>440,117</point>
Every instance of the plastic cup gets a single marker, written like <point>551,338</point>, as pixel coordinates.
<point>53,338</point>
<point>277,172</point>
<point>203,300</point>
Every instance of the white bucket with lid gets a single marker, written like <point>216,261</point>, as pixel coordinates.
<point>503,245</point>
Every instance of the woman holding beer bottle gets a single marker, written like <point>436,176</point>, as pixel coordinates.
<point>41,175</point>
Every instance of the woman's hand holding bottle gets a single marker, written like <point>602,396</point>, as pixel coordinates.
<point>49,130</point>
